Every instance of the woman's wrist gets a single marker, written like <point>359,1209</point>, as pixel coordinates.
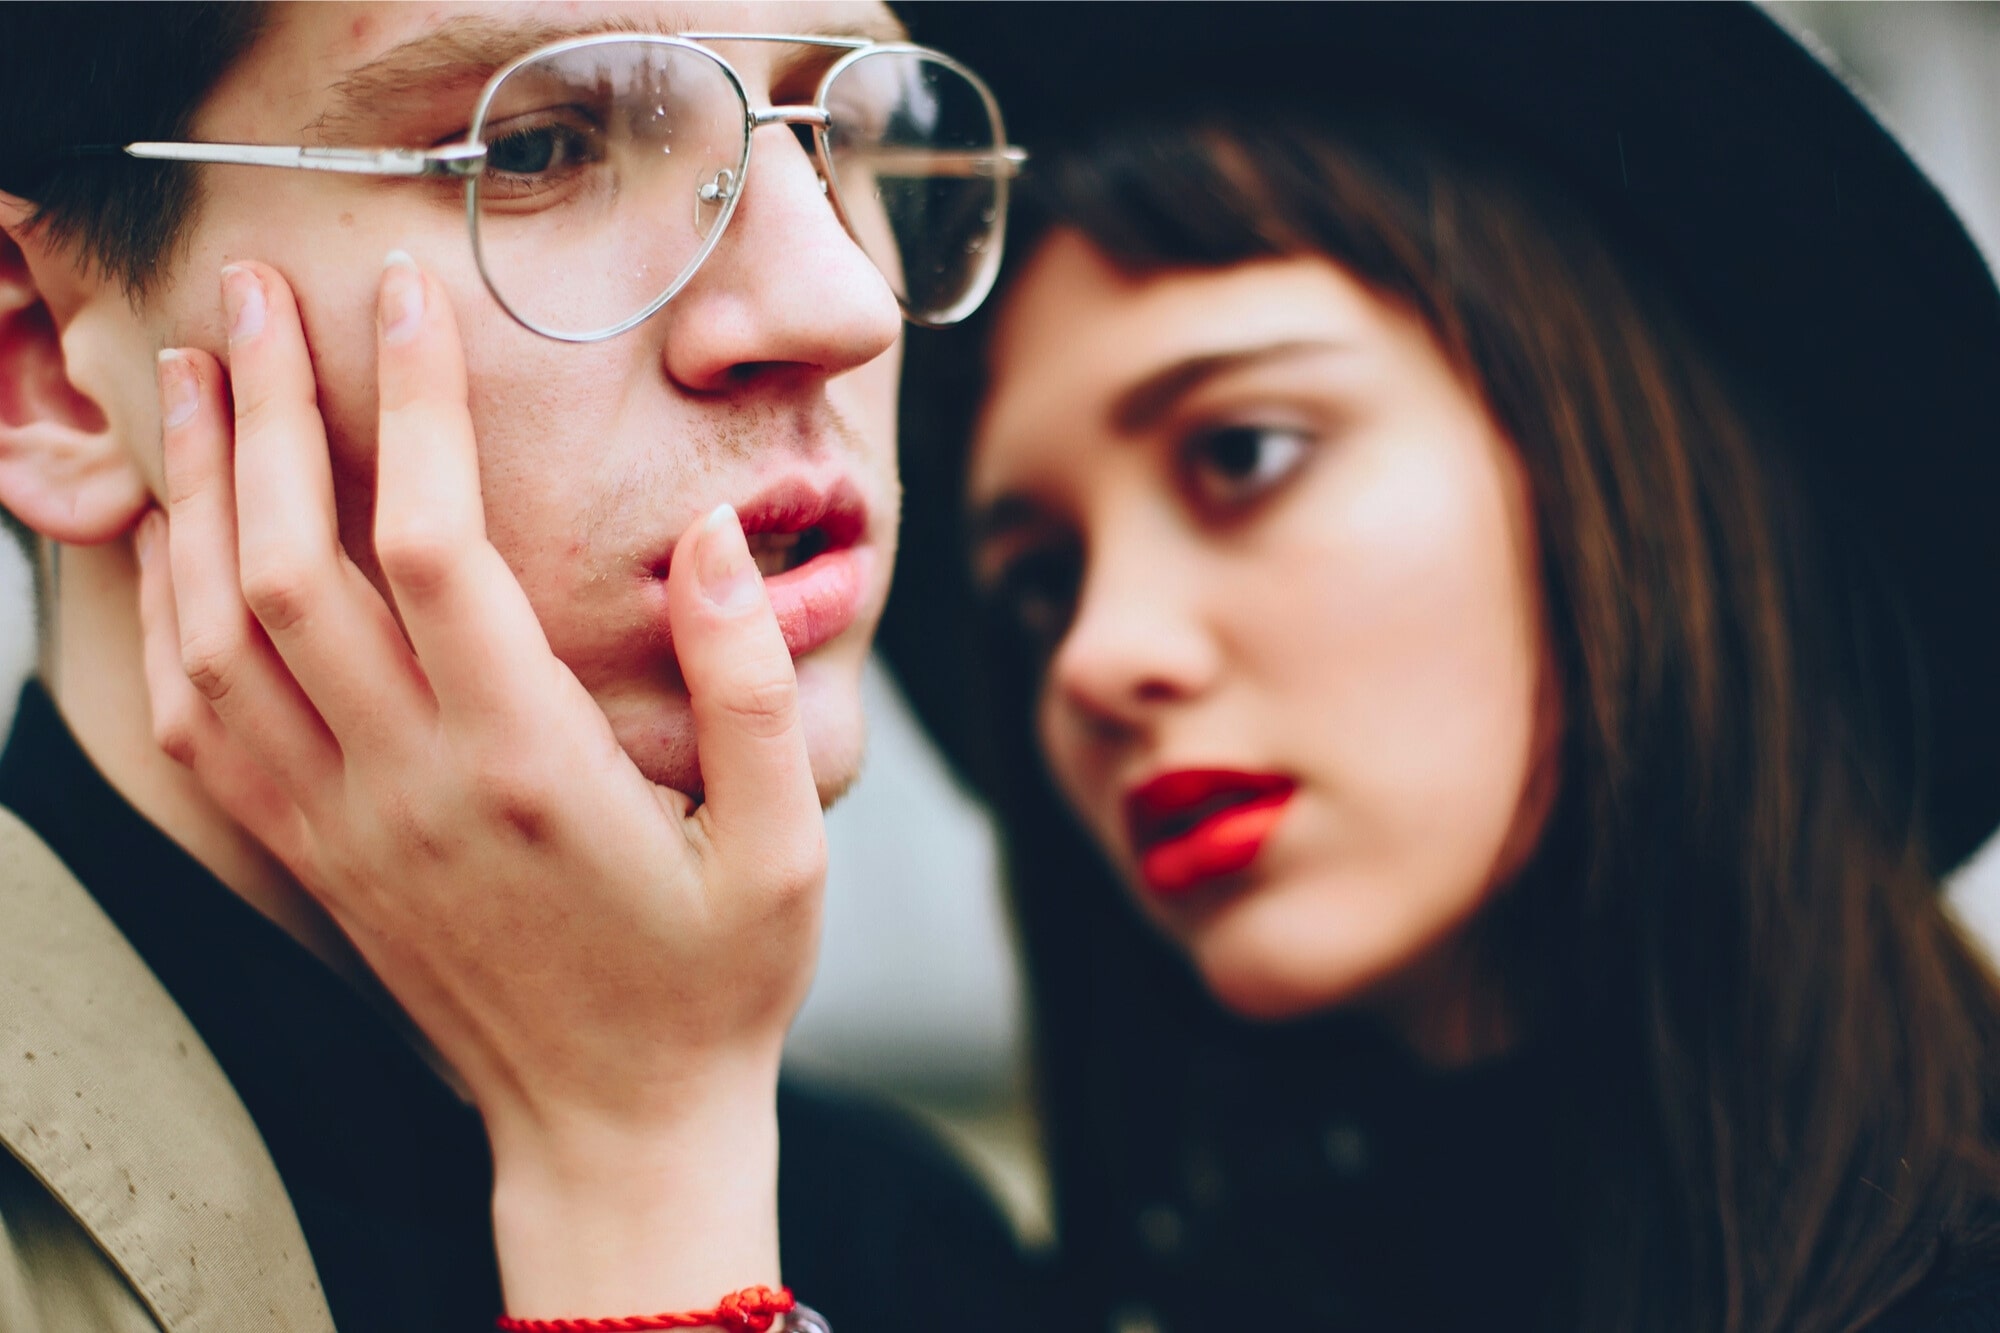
<point>604,1218</point>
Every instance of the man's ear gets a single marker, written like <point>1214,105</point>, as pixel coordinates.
<point>63,470</point>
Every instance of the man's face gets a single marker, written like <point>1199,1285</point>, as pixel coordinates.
<point>768,382</point>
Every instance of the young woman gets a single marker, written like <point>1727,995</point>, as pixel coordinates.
<point>1483,516</point>
<point>1488,656</point>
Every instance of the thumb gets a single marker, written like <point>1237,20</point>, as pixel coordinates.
<point>758,782</point>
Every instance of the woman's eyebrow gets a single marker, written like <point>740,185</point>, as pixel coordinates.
<point>1139,407</point>
<point>1147,401</point>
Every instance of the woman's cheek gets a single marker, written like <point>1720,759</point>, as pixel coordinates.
<point>1057,731</point>
<point>1399,655</point>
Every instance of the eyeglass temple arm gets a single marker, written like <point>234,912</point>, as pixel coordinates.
<point>455,159</point>
<point>468,159</point>
<point>990,163</point>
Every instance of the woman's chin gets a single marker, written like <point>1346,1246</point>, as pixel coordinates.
<point>1282,952</point>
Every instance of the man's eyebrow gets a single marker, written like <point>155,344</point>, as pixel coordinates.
<point>466,51</point>
<point>1147,401</point>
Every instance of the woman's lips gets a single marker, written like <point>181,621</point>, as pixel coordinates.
<point>1191,827</point>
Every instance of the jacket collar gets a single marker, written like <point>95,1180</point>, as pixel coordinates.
<point>114,1103</point>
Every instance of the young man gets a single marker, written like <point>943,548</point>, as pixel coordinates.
<point>416,508</point>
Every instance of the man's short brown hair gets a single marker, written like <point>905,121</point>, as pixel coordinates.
<point>78,81</point>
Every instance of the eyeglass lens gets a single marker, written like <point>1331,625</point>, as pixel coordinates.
<point>914,151</point>
<point>612,167</point>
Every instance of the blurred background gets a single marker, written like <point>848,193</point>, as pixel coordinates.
<point>917,996</point>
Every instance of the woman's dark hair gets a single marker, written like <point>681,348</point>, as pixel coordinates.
<point>1776,1062</point>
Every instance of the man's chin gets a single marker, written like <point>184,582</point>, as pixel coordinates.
<point>833,774</point>
<point>663,745</point>
<point>832,788</point>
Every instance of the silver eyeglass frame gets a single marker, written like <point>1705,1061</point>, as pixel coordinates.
<point>466,160</point>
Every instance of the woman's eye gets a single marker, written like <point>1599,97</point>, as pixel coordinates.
<point>1036,593</point>
<point>545,149</point>
<point>1230,465</point>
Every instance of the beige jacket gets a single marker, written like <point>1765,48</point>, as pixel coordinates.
<point>135,1193</point>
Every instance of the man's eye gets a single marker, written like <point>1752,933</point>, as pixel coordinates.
<point>546,149</point>
<point>1036,593</point>
<point>1232,465</point>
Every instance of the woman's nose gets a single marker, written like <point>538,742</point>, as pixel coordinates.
<point>1137,644</point>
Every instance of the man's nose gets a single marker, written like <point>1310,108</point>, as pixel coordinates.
<point>786,289</point>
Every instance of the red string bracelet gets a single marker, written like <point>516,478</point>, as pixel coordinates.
<point>751,1310</point>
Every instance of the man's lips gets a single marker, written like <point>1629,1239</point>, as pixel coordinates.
<point>796,505</point>
<point>1196,825</point>
<point>811,540</point>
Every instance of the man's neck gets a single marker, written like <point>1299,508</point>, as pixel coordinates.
<point>92,666</point>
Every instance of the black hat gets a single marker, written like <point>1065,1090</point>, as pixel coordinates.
<point>1780,207</point>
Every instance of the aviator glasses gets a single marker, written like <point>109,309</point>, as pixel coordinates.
<point>600,171</point>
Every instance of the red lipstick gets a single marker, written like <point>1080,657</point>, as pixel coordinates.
<point>1198,825</point>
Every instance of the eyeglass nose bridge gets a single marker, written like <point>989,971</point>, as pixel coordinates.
<point>816,116</point>
<point>724,183</point>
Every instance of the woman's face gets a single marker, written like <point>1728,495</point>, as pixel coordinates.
<point>1282,565</point>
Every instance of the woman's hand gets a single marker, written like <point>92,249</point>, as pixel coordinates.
<point>610,969</point>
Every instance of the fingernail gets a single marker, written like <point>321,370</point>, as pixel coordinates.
<point>179,395</point>
<point>722,563</point>
<point>402,297</point>
<point>243,302</point>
